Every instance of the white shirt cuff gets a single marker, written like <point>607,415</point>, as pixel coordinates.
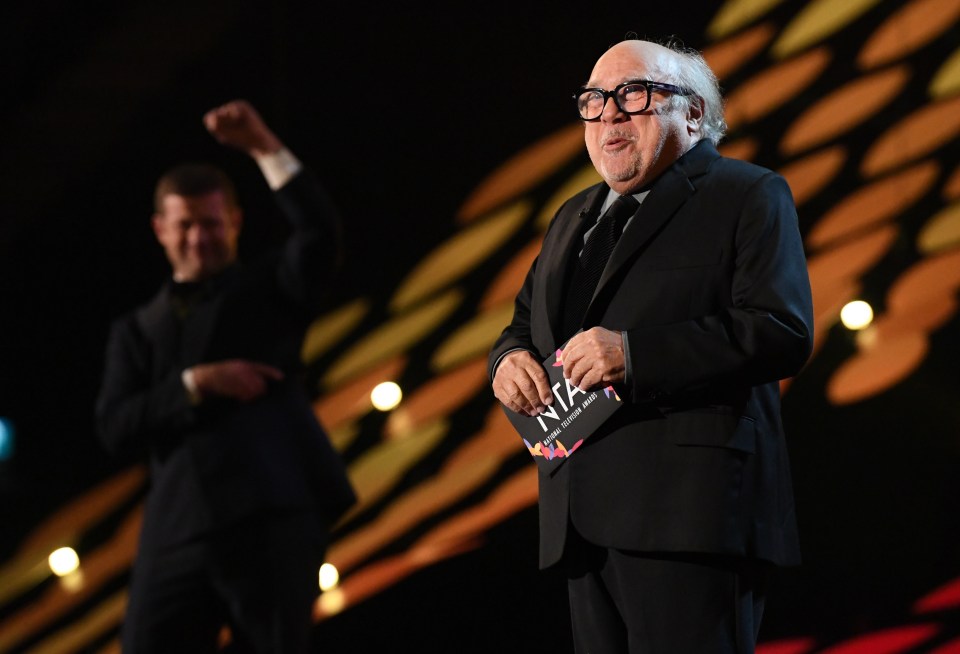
<point>190,384</point>
<point>279,167</point>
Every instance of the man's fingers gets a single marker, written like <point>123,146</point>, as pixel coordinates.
<point>267,371</point>
<point>593,358</point>
<point>521,384</point>
<point>528,395</point>
<point>512,395</point>
<point>571,357</point>
<point>541,383</point>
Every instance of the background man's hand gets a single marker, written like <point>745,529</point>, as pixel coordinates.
<point>594,359</point>
<point>521,384</point>
<point>238,124</point>
<point>238,379</point>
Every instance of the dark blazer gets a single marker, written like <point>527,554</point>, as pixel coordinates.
<point>709,283</point>
<point>222,461</point>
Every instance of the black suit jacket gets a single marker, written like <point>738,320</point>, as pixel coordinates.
<point>222,461</point>
<point>709,283</point>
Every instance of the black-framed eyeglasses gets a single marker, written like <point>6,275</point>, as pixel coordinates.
<point>631,97</point>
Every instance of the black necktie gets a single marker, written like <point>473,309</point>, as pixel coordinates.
<point>596,251</point>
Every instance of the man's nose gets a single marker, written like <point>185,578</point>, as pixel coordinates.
<point>611,110</point>
<point>197,235</point>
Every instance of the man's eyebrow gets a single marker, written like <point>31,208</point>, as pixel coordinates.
<point>623,80</point>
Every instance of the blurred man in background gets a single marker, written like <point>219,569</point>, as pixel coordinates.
<point>203,381</point>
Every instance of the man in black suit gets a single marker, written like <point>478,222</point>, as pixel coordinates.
<point>244,484</point>
<point>667,520</point>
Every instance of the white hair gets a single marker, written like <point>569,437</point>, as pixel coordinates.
<point>694,74</point>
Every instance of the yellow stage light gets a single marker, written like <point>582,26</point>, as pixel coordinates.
<point>329,577</point>
<point>856,315</point>
<point>63,561</point>
<point>386,396</point>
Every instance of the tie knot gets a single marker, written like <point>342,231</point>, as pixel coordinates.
<point>621,209</point>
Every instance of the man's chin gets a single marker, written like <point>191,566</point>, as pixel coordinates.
<point>194,274</point>
<point>619,172</point>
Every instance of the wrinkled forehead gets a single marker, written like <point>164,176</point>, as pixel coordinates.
<point>630,60</point>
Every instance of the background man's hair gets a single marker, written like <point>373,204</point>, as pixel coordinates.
<point>191,180</point>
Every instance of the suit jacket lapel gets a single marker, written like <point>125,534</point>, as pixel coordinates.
<point>668,194</point>
<point>160,327</point>
<point>198,328</point>
<point>183,342</point>
<point>567,244</point>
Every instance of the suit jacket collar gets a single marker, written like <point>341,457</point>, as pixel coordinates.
<point>569,242</point>
<point>183,341</point>
<point>667,194</point>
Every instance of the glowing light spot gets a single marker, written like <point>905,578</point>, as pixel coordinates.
<point>773,87</point>
<point>391,338</point>
<point>332,602</point>
<point>946,81</point>
<point>63,561</point>
<point>464,251</point>
<point>735,14</point>
<point>842,110</point>
<point>6,439</point>
<point>818,20</point>
<point>385,396</point>
<point>73,582</point>
<point>926,129</point>
<point>941,232</point>
<point>856,315</point>
<point>728,56</point>
<point>329,577</point>
<point>908,29</point>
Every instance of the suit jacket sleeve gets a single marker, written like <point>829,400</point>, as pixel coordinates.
<point>313,253</point>
<point>517,335</point>
<point>132,409</point>
<point>764,335</point>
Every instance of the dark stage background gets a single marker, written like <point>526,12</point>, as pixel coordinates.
<point>407,111</point>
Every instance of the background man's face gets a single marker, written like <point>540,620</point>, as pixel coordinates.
<point>198,234</point>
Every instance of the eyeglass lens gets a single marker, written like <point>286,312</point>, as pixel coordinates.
<point>630,98</point>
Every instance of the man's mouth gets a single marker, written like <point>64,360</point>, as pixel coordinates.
<point>615,142</point>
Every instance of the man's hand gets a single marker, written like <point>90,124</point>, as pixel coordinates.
<point>237,379</point>
<point>521,384</point>
<point>238,124</point>
<point>594,359</point>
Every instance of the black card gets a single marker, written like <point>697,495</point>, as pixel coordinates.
<point>555,436</point>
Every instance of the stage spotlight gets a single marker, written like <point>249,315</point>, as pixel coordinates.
<point>332,602</point>
<point>6,439</point>
<point>329,576</point>
<point>856,315</point>
<point>63,561</point>
<point>386,396</point>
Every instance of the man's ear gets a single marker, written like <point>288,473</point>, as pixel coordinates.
<point>695,114</point>
<point>236,218</point>
<point>156,222</point>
